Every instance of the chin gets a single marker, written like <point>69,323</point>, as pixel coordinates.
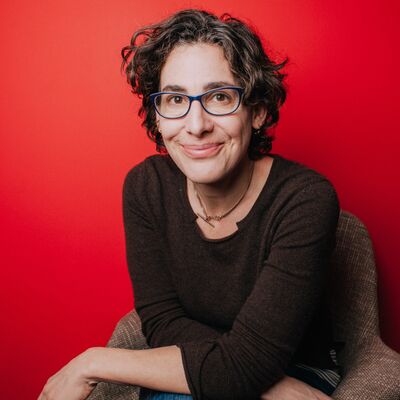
<point>203,174</point>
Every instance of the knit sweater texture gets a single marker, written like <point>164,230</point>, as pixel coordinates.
<point>241,308</point>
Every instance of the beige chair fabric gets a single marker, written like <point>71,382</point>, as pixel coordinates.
<point>371,370</point>
<point>127,335</point>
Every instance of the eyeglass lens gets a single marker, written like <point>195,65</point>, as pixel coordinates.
<point>218,102</point>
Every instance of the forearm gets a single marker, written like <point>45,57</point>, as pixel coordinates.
<point>167,325</point>
<point>159,368</point>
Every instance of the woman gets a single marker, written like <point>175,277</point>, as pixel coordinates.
<point>227,244</point>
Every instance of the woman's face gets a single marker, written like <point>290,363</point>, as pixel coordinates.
<point>205,147</point>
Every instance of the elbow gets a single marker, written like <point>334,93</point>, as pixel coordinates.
<point>152,338</point>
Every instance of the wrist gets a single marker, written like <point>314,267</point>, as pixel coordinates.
<point>91,360</point>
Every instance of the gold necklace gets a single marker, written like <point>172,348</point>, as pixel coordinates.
<point>208,218</point>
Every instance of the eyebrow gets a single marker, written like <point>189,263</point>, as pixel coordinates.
<point>208,86</point>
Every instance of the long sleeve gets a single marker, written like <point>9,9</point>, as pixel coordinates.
<point>253,355</point>
<point>164,320</point>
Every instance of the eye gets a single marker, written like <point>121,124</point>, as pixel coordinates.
<point>175,99</point>
<point>221,97</point>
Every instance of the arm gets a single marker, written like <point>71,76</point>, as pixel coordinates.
<point>164,321</point>
<point>159,369</point>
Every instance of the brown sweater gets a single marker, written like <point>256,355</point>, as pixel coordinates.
<point>241,308</point>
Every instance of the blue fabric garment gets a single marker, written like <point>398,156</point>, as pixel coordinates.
<point>146,394</point>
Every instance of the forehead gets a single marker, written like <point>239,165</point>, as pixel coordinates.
<point>196,67</point>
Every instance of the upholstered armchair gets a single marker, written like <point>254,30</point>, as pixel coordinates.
<point>371,370</point>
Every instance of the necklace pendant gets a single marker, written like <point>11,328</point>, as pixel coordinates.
<point>206,219</point>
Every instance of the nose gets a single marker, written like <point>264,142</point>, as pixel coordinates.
<point>198,121</point>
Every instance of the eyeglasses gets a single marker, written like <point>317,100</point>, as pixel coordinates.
<point>221,101</point>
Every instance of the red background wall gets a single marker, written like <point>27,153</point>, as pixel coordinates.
<point>69,134</point>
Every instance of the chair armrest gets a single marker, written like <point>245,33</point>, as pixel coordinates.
<point>374,374</point>
<point>127,335</point>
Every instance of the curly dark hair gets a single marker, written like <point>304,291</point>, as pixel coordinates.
<point>251,66</point>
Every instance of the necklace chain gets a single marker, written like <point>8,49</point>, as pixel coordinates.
<point>208,218</point>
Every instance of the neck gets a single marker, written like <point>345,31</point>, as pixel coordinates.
<point>219,196</point>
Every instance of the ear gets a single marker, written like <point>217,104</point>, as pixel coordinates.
<point>259,114</point>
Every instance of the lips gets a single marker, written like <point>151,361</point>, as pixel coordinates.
<point>201,150</point>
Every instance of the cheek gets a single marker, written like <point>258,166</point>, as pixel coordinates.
<point>239,125</point>
<point>169,128</point>
<point>240,133</point>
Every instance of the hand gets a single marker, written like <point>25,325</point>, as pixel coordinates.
<point>71,382</point>
<point>289,388</point>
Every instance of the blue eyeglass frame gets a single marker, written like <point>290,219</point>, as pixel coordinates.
<point>198,98</point>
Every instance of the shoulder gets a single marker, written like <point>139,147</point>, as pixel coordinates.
<point>150,169</point>
<point>292,178</point>
<point>152,174</point>
<point>300,192</point>
<point>305,207</point>
<point>151,183</point>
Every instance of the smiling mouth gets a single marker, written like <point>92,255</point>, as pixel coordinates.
<point>202,151</point>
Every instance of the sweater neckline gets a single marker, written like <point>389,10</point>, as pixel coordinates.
<point>191,217</point>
